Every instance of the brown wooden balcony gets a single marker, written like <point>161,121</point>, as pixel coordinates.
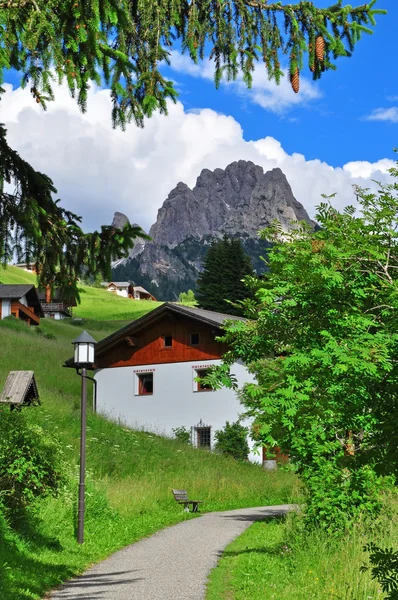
<point>50,307</point>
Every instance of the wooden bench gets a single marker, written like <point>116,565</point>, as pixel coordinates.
<point>181,496</point>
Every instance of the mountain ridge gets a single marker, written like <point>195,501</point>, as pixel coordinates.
<point>236,201</point>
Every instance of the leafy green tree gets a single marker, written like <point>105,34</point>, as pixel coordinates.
<point>123,45</point>
<point>221,281</point>
<point>323,345</point>
<point>232,440</point>
<point>187,298</point>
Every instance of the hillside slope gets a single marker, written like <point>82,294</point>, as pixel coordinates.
<point>95,303</point>
<point>129,473</point>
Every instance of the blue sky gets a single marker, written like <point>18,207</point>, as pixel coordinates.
<point>336,133</point>
<point>331,127</point>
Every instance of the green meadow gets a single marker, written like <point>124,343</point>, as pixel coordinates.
<point>129,473</point>
<point>95,303</point>
<point>280,560</point>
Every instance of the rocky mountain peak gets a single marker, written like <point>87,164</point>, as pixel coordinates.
<point>238,199</point>
<point>119,220</point>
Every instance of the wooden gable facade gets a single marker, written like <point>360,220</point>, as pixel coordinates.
<point>167,340</point>
<point>169,334</point>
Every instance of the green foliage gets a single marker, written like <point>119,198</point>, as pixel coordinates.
<point>232,440</point>
<point>124,44</point>
<point>323,344</point>
<point>282,559</point>
<point>221,285</point>
<point>384,568</point>
<point>187,298</point>
<point>37,230</point>
<point>182,434</point>
<point>30,462</point>
<point>129,473</point>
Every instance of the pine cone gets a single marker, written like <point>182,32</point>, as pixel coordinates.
<point>295,80</point>
<point>320,48</point>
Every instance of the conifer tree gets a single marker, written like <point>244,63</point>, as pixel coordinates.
<point>221,281</point>
<point>123,45</point>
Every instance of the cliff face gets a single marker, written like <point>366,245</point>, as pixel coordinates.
<point>237,201</point>
<point>241,198</point>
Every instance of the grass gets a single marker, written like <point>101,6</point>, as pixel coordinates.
<point>279,560</point>
<point>129,473</point>
<point>95,303</point>
<point>99,304</point>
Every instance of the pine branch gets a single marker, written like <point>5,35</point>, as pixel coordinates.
<point>18,4</point>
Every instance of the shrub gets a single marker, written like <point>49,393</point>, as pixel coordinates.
<point>182,434</point>
<point>335,496</point>
<point>187,298</point>
<point>47,336</point>
<point>232,440</point>
<point>30,462</point>
<point>384,565</point>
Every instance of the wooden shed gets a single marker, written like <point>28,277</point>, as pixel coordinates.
<point>20,389</point>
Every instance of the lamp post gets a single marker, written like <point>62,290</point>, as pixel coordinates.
<point>83,359</point>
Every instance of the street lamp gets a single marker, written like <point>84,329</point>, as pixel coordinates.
<point>83,359</point>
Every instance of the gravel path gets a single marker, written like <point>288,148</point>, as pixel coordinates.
<point>172,564</point>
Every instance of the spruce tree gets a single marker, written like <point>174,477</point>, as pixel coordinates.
<point>220,282</point>
<point>123,44</point>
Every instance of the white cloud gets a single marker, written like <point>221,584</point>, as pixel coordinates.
<point>367,170</point>
<point>384,114</point>
<point>98,170</point>
<point>264,93</point>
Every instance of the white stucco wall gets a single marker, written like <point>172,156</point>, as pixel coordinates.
<point>23,301</point>
<point>58,316</point>
<point>5,308</point>
<point>124,292</point>
<point>174,403</point>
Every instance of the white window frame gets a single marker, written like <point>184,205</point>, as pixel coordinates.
<point>195,384</point>
<point>140,373</point>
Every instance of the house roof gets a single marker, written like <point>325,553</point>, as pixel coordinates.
<point>199,314</point>
<point>20,388</point>
<point>139,288</point>
<point>119,283</point>
<point>14,291</point>
<point>17,291</point>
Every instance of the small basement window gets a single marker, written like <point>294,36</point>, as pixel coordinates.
<point>203,437</point>
<point>200,386</point>
<point>168,341</point>
<point>145,384</point>
<point>194,339</point>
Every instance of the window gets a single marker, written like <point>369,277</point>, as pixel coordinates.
<point>200,386</point>
<point>145,384</point>
<point>202,435</point>
<point>168,341</point>
<point>194,339</point>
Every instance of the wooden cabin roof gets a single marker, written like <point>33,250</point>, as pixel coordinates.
<point>14,291</point>
<point>17,291</point>
<point>20,388</point>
